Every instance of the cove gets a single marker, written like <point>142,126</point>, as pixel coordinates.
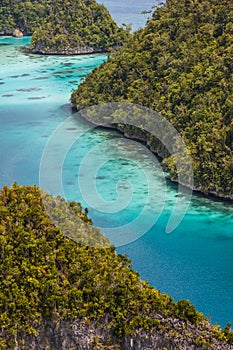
<point>194,262</point>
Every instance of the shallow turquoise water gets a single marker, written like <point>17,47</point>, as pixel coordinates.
<point>195,262</point>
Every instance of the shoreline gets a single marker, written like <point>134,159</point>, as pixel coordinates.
<point>67,54</point>
<point>196,191</point>
<point>83,50</point>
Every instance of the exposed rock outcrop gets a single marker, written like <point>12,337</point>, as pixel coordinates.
<point>17,33</point>
<point>78,50</point>
<point>86,335</point>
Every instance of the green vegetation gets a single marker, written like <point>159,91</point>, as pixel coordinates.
<point>181,66</point>
<point>24,15</point>
<point>44,275</point>
<point>62,26</point>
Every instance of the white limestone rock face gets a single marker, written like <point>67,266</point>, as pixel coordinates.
<point>17,33</point>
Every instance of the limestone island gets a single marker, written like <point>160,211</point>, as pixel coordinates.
<point>62,27</point>
<point>63,287</point>
<point>179,65</point>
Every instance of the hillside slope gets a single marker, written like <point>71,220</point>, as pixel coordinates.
<point>181,66</point>
<point>59,294</point>
<point>62,26</point>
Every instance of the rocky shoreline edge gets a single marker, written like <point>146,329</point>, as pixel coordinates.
<point>79,50</point>
<point>160,152</point>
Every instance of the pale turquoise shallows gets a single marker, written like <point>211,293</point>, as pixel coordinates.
<point>195,262</point>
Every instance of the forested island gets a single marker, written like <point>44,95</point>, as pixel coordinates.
<point>181,66</point>
<point>63,293</point>
<point>62,26</point>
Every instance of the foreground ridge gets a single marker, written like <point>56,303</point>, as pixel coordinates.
<point>59,293</point>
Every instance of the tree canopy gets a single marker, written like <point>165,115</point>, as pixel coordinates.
<point>181,66</point>
<point>45,275</point>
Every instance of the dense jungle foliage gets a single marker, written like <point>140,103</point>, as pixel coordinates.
<point>181,66</point>
<point>45,275</point>
<point>62,26</point>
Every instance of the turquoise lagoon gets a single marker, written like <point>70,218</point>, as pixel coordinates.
<point>195,262</point>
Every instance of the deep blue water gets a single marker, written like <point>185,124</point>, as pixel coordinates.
<point>195,262</point>
<point>130,12</point>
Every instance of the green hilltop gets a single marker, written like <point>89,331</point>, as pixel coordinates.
<point>180,66</point>
<point>49,281</point>
<point>62,26</point>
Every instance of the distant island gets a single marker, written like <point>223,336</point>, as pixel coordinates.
<point>180,65</point>
<point>73,291</point>
<point>62,27</point>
